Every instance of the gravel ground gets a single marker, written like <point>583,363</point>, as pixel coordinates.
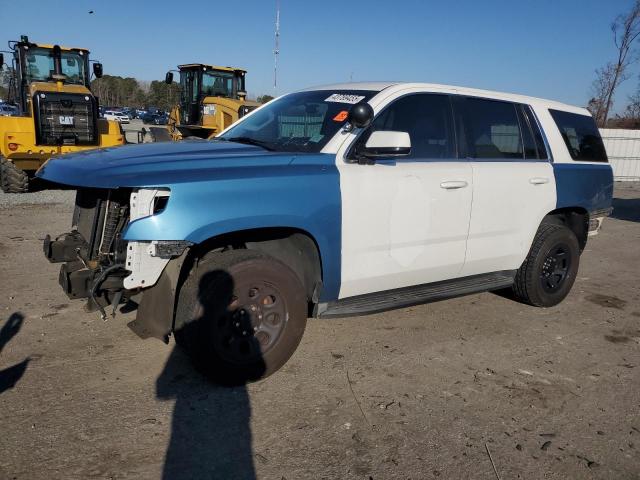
<point>475,387</point>
<point>47,196</point>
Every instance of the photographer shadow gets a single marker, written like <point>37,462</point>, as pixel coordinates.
<point>10,376</point>
<point>210,430</point>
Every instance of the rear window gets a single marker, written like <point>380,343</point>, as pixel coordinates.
<point>580,135</point>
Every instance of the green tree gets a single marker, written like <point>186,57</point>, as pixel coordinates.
<point>264,98</point>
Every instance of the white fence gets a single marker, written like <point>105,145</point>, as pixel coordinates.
<point>623,150</point>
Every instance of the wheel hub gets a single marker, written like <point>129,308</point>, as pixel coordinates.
<point>555,268</point>
<point>256,317</point>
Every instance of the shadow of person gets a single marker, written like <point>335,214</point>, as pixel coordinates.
<point>210,430</point>
<point>10,376</point>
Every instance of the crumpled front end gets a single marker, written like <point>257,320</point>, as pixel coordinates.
<point>97,262</point>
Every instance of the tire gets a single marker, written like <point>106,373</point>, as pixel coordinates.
<point>12,179</point>
<point>240,316</point>
<point>549,271</point>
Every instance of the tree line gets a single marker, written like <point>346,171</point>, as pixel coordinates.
<point>120,92</point>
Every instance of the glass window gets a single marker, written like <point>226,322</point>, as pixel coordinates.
<point>39,65</point>
<point>537,134</point>
<point>427,118</point>
<point>530,149</point>
<point>299,122</point>
<point>217,84</point>
<point>580,135</point>
<point>491,128</point>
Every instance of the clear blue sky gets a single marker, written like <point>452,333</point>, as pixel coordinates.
<point>546,48</point>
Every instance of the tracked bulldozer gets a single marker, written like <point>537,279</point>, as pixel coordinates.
<point>211,99</point>
<point>56,111</point>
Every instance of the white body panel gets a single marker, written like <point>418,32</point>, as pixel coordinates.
<point>509,201</point>
<point>399,226</point>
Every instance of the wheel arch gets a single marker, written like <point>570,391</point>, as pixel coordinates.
<point>294,247</point>
<point>575,218</point>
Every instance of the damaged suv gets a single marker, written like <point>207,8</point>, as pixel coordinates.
<point>334,201</point>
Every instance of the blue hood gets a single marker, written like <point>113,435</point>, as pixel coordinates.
<point>157,164</point>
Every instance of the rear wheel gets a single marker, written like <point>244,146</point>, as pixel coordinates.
<point>240,316</point>
<point>12,179</point>
<point>549,271</point>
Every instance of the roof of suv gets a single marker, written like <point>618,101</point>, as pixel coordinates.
<point>379,86</point>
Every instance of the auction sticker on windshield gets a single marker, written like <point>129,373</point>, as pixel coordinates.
<point>344,98</point>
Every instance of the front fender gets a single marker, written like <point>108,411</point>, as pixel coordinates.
<point>304,195</point>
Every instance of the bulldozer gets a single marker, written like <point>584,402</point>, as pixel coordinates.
<point>56,111</point>
<point>211,99</point>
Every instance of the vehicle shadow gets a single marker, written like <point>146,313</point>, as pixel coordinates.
<point>10,376</point>
<point>626,209</point>
<point>210,430</point>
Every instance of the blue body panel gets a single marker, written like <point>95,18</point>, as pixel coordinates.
<point>587,185</point>
<point>218,188</point>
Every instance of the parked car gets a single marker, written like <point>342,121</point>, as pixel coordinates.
<point>7,110</point>
<point>118,116</point>
<point>155,118</point>
<point>330,202</point>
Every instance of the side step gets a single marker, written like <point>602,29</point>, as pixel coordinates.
<point>415,295</point>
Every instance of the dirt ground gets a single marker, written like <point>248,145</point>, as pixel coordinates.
<point>446,390</point>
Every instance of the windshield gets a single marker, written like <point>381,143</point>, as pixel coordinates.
<point>299,122</point>
<point>39,65</point>
<point>217,84</point>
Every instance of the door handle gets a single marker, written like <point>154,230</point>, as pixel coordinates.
<point>453,184</point>
<point>538,180</point>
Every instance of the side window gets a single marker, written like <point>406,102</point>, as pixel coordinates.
<point>426,117</point>
<point>491,128</point>
<point>530,149</point>
<point>580,135</point>
<point>537,134</point>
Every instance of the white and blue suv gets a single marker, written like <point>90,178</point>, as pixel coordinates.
<point>332,201</point>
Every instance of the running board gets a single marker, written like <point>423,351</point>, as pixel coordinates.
<point>415,295</point>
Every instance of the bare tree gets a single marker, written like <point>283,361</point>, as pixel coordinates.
<point>625,29</point>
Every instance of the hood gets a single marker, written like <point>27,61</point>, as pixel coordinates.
<point>157,164</point>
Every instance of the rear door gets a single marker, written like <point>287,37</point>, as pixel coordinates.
<point>513,181</point>
<point>405,219</point>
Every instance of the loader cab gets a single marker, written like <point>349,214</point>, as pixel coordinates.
<point>50,64</point>
<point>198,81</point>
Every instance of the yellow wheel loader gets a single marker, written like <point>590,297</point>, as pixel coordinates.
<point>56,111</point>
<point>211,99</point>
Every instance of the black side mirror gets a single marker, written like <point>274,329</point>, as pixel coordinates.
<point>360,115</point>
<point>97,70</point>
<point>1,61</point>
<point>168,78</point>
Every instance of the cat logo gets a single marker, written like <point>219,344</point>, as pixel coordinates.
<point>66,120</point>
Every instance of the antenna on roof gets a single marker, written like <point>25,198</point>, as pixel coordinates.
<point>276,50</point>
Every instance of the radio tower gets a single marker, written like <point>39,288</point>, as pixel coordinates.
<point>276,50</point>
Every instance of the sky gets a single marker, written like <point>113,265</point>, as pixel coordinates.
<point>544,48</point>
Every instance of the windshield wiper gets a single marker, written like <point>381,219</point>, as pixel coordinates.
<point>249,141</point>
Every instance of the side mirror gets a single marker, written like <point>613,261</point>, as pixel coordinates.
<point>168,78</point>
<point>1,61</point>
<point>387,144</point>
<point>360,115</point>
<point>97,70</point>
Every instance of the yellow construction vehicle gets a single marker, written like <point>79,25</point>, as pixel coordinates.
<point>56,111</point>
<point>211,99</point>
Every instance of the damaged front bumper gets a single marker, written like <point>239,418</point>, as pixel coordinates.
<point>98,263</point>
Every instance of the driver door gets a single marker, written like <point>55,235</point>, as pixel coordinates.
<point>405,219</point>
